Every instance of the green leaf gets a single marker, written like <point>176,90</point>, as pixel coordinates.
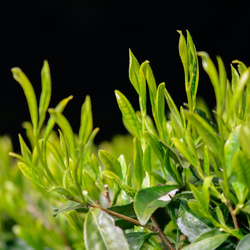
<point>134,68</point>
<point>24,149</point>
<point>138,163</point>
<point>110,162</point>
<point>244,139</point>
<point>86,121</point>
<point>238,91</point>
<point>66,128</point>
<point>205,131</point>
<point>129,116</point>
<point>231,146</point>
<point>30,95</point>
<point>69,206</point>
<point>208,243</point>
<point>241,166</point>
<point>126,188</point>
<point>183,54</point>
<point>137,239</point>
<point>174,112</point>
<point>149,199</point>
<point>155,145</point>
<point>160,108</point>
<point>244,243</point>
<point>28,172</point>
<point>183,149</point>
<point>89,184</point>
<point>46,93</point>
<point>62,192</point>
<point>96,235</point>
<point>206,162</point>
<point>51,123</point>
<point>189,224</point>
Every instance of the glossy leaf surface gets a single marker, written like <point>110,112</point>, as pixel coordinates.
<point>100,232</point>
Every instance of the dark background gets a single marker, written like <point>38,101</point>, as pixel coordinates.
<point>87,42</point>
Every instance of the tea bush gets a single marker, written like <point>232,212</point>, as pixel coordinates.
<point>186,185</point>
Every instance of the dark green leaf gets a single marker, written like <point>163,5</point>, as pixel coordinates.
<point>149,199</point>
<point>127,210</point>
<point>189,224</point>
<point>137,239</point>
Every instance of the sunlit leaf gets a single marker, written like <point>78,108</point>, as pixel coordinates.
<point>110,162</point>
<point>244,243</point>
<point>30,95</point>
<point>148,200</point>
<point>134,68</point>
<point>130,119</point>
<point>86,121</point>
<point>70,205</point>
<point>205,131</point>
<point>45,94</point>
<point>241,166</point>
<point>96,235</point>
<point>67,130</point>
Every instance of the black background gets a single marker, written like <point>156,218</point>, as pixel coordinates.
<point>87,42</point>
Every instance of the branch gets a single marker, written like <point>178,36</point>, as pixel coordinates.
<point>161,234</point>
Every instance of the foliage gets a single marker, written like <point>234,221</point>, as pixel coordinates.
<point>187,184</point>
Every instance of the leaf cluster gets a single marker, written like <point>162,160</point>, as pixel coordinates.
<point>187,184</point>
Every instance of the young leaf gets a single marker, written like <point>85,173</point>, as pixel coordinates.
<point>205,131</point>
<point>110,162</point>
<point>30,95</point>
<point>96,235</point>
<point>138,163</point>
<point>231,146</point>
<point>46,93</point>
<point>66,128</point>
<point>69,206</point>
<point>89,184</point>
<point>242,168</point>
<point>86,121</point>
<point>148,200</point>
<point>29,174</point>
<point>62,192</point>
<point>134,68</point>
<point>51,123</point>
<point>130,119</point>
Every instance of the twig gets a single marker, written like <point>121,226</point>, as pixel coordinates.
<point>106,194</point>
<point>231,210</point>
<point>124,217</point>
<point>161,234</point>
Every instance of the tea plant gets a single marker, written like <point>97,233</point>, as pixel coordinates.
<point>187,185</point>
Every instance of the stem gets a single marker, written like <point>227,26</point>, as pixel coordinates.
<point>161,234</point>
<point>124,217</point>
<point>231,210</point>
